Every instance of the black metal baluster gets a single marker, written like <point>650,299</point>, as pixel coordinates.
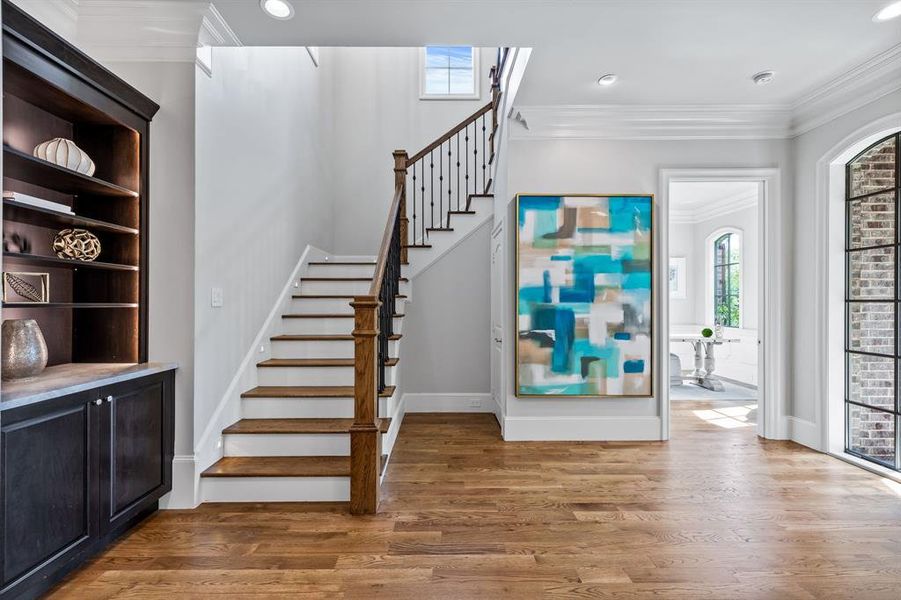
<point>445,219</point>
<point>475,158</point>
<point>458,172</point>
<point>466,162</point>
<point>432,186</point>
<point>484,152</point>
<point>414,203</point>
<point>422,207</point>
<point>440,182</point>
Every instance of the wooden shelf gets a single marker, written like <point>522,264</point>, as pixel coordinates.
<point>24,167</point>
<point>52,261</point>
<point>70,305</point>
<point>21,212</point>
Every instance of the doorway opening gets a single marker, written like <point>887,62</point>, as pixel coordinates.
<point>733,275</point>
<point>714,278</point>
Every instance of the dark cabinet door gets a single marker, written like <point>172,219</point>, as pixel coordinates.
<point>135,448</point>
<point>48,492</point>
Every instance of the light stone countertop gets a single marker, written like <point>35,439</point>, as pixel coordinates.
<point>61,380</point>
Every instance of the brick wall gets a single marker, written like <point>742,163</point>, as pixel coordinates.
<point>872,324</point>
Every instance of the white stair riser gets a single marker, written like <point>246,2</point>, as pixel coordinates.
<point>321,306</point>
<point>276,489</point>
<point>340,270</point>
<point>302,408</point>
<point>287,444</point>
<point>359,288</point>
<point>319,349</point>
<point>312,376</point>
<point>331,325</point>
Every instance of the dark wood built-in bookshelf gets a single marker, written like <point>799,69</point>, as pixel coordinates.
<point>49,94</point>
<point>86,447</point>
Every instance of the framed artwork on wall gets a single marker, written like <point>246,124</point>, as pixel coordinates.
<point>677,278</point>
<point>584,295</point>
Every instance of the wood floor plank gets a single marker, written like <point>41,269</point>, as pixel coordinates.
<point>713,513</point>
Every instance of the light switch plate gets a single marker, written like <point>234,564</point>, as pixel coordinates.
<point>217,298</point>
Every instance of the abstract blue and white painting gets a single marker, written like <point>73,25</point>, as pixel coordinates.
<point>583,295</point>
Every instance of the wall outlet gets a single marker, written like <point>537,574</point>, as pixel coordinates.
<point>217,297</point>
<point>475,403</point>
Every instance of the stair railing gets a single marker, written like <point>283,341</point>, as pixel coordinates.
<point>464,156</point>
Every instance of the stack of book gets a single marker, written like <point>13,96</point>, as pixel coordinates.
<point>38,202</point>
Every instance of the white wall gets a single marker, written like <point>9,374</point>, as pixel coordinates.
<point>807,150</point>
<point>683,311</point>
<point>446,329</point>
<point>598,166</point>
<point>262,196</point>
<point>377,110</point>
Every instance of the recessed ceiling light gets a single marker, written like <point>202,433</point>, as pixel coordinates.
<point>888,13</point>
<point>277,9</point>
<point>764,77</point>
<point>608,79</point>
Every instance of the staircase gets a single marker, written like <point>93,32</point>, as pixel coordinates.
<point>312,429</point>
<point>293,441</point>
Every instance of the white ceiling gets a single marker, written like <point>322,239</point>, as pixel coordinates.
<point>692,202</point>
<point>665,52</point>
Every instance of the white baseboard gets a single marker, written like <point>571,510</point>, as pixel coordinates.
<point>804,432</point>
<point>397,420</point>
<point>596,429</point>
<point>185,492</point>
<point>475,402</point>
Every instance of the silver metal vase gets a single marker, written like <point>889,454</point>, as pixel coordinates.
<point>24,351</point>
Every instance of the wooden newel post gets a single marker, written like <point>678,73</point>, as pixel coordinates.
<point>400,179</point>
<point>365,441</point>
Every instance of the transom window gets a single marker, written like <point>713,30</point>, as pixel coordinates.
<point>727,280</point>
<point>449,72</point>
<point>871,304</point>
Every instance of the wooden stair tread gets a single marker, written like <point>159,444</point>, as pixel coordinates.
<point>343,279</point>
<point>323,316</point>
<point>313,337</point>
<point>333,296</point>
<point>417,246</point>
<point>316,362</point>
<point>439,228</point>
<point>280,466</point>
<point>341,263</point>
<point>308,391</point>
<point>461,212</point>
<point>288,426</point>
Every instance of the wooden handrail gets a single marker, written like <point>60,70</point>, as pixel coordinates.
<point>374,312</point>
<point>450,133</point>
<point>382,260</point>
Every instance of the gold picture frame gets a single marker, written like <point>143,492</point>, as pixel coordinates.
<point>654,284</point>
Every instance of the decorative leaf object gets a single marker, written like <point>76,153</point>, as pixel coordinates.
<point>23,288</point>
<point>65,153</point>
<point>76,244</point>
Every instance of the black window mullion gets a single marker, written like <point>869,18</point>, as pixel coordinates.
<point>895,411</point>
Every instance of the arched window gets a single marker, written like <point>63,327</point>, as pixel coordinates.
<point>727,280</point>
<point>871,303</point>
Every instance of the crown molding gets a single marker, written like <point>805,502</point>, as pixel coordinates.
<point>713,210</point>
<point>865,83</point>
<point>857,87</point>
<point>135,30</point>
<point>629,122</point>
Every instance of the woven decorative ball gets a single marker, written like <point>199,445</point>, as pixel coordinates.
<point>65,153</point>
<point>76,244</point>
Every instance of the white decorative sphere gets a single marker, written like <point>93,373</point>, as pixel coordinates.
<point>65,153</point>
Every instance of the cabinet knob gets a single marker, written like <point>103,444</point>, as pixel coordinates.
<point>109,398</point>
<point>98,402</point>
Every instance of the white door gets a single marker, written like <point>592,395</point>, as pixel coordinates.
<point>497,318</point>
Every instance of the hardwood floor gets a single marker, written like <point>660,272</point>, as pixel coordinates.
<point>714,513</point>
